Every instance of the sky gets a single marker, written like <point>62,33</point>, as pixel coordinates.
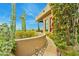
<point>31,9</point>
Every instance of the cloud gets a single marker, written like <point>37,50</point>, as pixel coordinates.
<point>29,12</point>
<point>31,9</point>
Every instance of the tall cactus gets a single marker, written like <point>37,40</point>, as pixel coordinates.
<point>13,22</point>
<point>7,35</point>
<point>23,19</point>
<point>13,18</point>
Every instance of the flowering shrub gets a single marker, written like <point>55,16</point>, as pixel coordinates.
<point>25,34</point>
<point>6,41</point>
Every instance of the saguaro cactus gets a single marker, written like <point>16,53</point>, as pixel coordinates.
<point>13,18</point>
<point>23,18</point>
<point>7,35</point>
<point>13,22</point>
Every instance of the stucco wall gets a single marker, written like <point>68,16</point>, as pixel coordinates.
<point>44,23</point>
<point>28,46</point>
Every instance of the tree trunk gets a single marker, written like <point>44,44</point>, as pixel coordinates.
<point>75,41</point>
<point>68,37</point>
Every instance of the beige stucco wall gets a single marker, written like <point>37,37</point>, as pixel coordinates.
<point>27,46</point>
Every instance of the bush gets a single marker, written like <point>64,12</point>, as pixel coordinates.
<point>59,42</point>
<point>69,51</point>
<point>6,41</point>
<point>61,45</point>
<point>25,34</point>
<point>78,38</point>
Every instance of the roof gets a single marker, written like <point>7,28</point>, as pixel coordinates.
<point>46,11</point>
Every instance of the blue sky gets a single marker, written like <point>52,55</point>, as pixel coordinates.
<point>31,9</point>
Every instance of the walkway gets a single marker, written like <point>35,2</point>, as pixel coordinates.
<point>51,48</point>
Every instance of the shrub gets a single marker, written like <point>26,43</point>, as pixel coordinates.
<point>6,42</point>
<point>78,38</point>
<point>61,45</point>
<point>59,42</point>
<point>69,51</point>
<point>25,34</point>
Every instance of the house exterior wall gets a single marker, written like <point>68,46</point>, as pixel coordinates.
<point>46,15</point>
<point>50,25</point>
<point>44,25</point>
<point>44,19</point>
<point>46,11</point>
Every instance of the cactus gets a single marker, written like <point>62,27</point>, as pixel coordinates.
<point>13,24</point>
<point>7,35</point>
<point>23,21</point>
<point>13,18</point>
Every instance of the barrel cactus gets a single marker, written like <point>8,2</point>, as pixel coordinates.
<point>6,40</point>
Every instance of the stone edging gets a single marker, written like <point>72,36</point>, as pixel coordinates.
<point>38,36</point>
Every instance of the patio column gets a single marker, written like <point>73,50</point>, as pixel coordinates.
<point>49,25</point>
<point>52,24</point>
<point>38,27</point>
<point>44,25</point>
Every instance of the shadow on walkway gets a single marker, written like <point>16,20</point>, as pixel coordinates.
<point>51,49</point>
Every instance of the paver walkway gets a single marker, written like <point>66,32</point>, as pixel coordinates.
<point>51,49</point>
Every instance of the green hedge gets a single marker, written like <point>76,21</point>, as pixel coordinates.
<point>25,34</point>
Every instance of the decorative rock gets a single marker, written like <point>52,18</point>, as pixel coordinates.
<point>40,52</point>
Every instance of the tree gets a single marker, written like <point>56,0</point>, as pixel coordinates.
<point>66,14</point>
<point>23,19</point>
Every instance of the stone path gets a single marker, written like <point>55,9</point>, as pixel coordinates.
<point>51,49</point>
<point>48,50</point>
